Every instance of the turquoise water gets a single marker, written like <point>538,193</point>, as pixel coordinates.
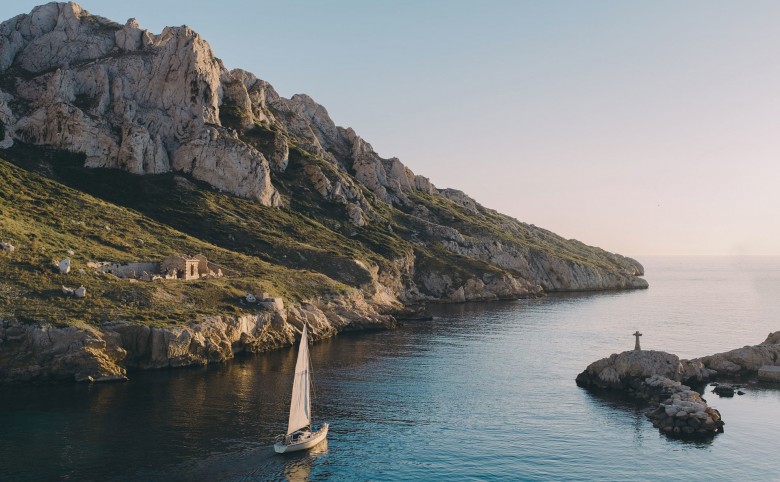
<point>484,392</point>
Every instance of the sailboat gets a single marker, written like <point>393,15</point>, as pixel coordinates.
<point>301,433</point>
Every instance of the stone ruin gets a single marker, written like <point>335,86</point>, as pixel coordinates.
<point>181,267</point>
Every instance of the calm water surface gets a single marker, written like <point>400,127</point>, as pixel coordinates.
<point>484,392</point>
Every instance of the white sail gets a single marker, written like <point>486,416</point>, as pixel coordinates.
<point>300,405</point>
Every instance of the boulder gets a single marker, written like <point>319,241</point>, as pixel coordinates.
<point>7,247</point>
<point>64,266</point>
<point>724,390</point>
<point>80,292</point>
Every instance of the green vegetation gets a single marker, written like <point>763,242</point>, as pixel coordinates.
<point>44,219</point>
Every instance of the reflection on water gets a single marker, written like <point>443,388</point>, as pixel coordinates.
<point>299,469</point>
<point>484,391</point>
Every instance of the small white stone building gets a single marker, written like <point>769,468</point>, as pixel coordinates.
<point>182,266</point>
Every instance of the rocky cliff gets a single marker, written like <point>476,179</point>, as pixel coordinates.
<point>155,123</point>
<point>41,351</point>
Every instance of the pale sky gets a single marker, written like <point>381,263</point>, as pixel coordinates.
<point>647,127</point>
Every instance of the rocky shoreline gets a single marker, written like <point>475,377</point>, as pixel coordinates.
<point>661,378</point>
<point>43,352</point>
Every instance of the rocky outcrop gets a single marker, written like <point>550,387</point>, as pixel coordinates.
<point>491,286</point>
<point>30,352</point>
<point>620,371</point>
<point>744,361</point>
<point>680,411</point>
<point>657,376</point>
<point>769,373</point>
<point>124,98</point>
<point>772,339</point>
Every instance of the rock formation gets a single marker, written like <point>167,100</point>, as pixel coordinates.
<point>657,376</point>
<point>44,352</point>
<point>680,411</point>
<point>124,98</point>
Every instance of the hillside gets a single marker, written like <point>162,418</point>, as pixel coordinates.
<point>125,146</point>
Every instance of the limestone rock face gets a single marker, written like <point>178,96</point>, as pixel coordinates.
<point>227,164</point>
<point>44,352</point>
<point>217,339</point>
<point>210,340</point>
<point>124,98</point>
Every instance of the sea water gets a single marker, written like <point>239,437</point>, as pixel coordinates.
<point>485,391</point>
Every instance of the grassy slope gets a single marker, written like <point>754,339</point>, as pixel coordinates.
<point>308,233</point>
<point>44,219</point>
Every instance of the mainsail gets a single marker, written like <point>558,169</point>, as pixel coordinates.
<point>300,405</point>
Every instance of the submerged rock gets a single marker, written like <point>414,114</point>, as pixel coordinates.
<point>724,390</point>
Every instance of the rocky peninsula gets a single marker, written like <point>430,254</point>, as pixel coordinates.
<point>662,379</point>
<point>120,145</point>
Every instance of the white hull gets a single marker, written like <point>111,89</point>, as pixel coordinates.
<point>316,437</point>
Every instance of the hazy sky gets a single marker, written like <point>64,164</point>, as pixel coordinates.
<point>646,127</point>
